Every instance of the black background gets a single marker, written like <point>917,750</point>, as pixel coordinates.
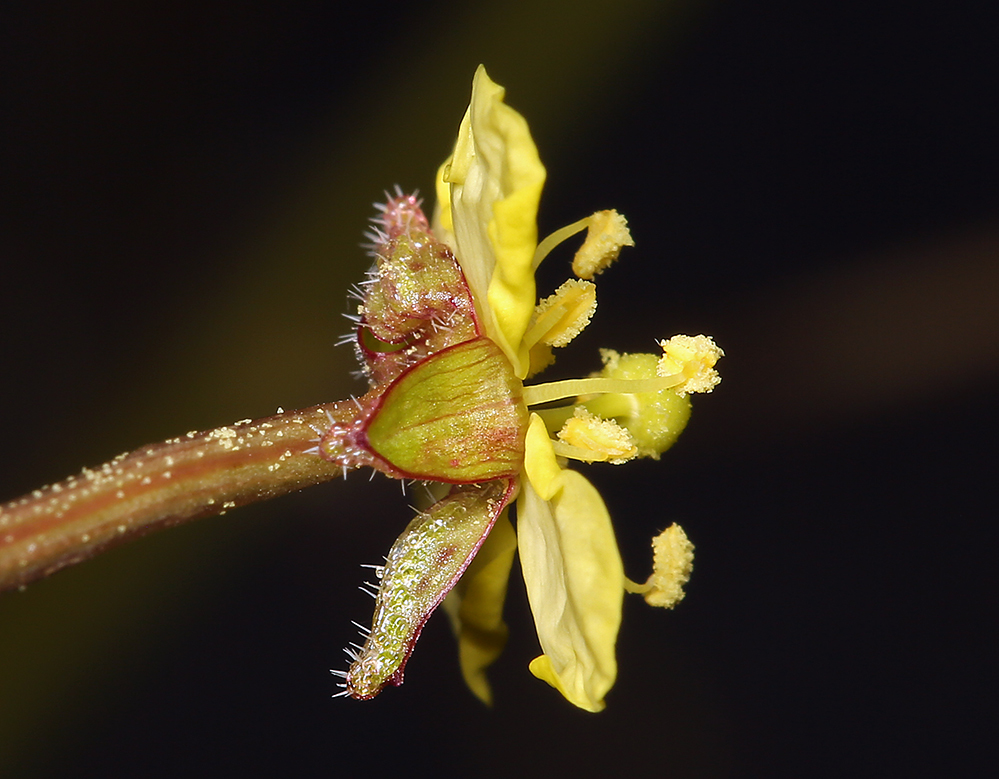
<point>816,185</point>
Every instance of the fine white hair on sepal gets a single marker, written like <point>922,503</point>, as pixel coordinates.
<point>376,236</point>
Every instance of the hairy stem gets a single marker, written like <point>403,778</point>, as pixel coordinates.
<point>196,475</point>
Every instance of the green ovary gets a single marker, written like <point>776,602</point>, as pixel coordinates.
<point>654,419</point>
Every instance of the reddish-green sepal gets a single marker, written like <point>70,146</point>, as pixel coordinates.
<point>421,568</point>
<point>456,417</point>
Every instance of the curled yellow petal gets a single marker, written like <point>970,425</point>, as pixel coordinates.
<point>489,191</point>
<point>574,580</point>
<point>475,607</point>
<point>543,470</point>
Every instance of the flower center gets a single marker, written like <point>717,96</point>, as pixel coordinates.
<point>635,407</point>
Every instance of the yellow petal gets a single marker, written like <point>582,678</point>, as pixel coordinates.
<point>475,607</point>
<point>574,579</point>
<point>489,191</point>
<point>540,464</point>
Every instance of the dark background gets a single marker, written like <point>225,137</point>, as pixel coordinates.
<point>816,185</point>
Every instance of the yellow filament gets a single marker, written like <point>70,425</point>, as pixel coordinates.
<point>562,449</point>
<point>557,237</point>
<point>545,323</point>
<point>570,388</point>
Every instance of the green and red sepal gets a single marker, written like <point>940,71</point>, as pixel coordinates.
<point>421,568</point>
<point>457,416</point>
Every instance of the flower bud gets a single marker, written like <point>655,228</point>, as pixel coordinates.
<point>416,301</point>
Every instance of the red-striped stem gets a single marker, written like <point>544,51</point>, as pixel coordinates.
<point>195,475</point>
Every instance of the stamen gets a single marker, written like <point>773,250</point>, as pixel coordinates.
<point>555,417</point>
<point>673,560</point>
<point>562,449</point>
<point>543,324</point>
<point>601,440</point>
<point>693,356</point>
<point>687,363</point>
<point>559,390</point>
<point>607,235</point>
<point>562,316</point>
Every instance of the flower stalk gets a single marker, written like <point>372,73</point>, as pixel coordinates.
<point>196,475</point>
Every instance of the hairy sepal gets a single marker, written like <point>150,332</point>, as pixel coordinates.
<point>417,301</point>
<point>421,568</point>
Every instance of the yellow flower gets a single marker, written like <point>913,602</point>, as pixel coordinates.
<point>488,193</point>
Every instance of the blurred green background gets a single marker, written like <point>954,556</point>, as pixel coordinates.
<point>816,185</point>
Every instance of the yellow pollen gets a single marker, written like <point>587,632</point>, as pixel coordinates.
<point>593,439</point>
<point>561,317</point>
<point>607,235</point>
<point>694,357</point>
<point>672,563</point>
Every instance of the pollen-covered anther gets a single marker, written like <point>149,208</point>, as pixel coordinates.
<point>587,437</point>
<point>562,316</point>
<point>694,357</point>
<point>607,234</point>
<point>672,563</point>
